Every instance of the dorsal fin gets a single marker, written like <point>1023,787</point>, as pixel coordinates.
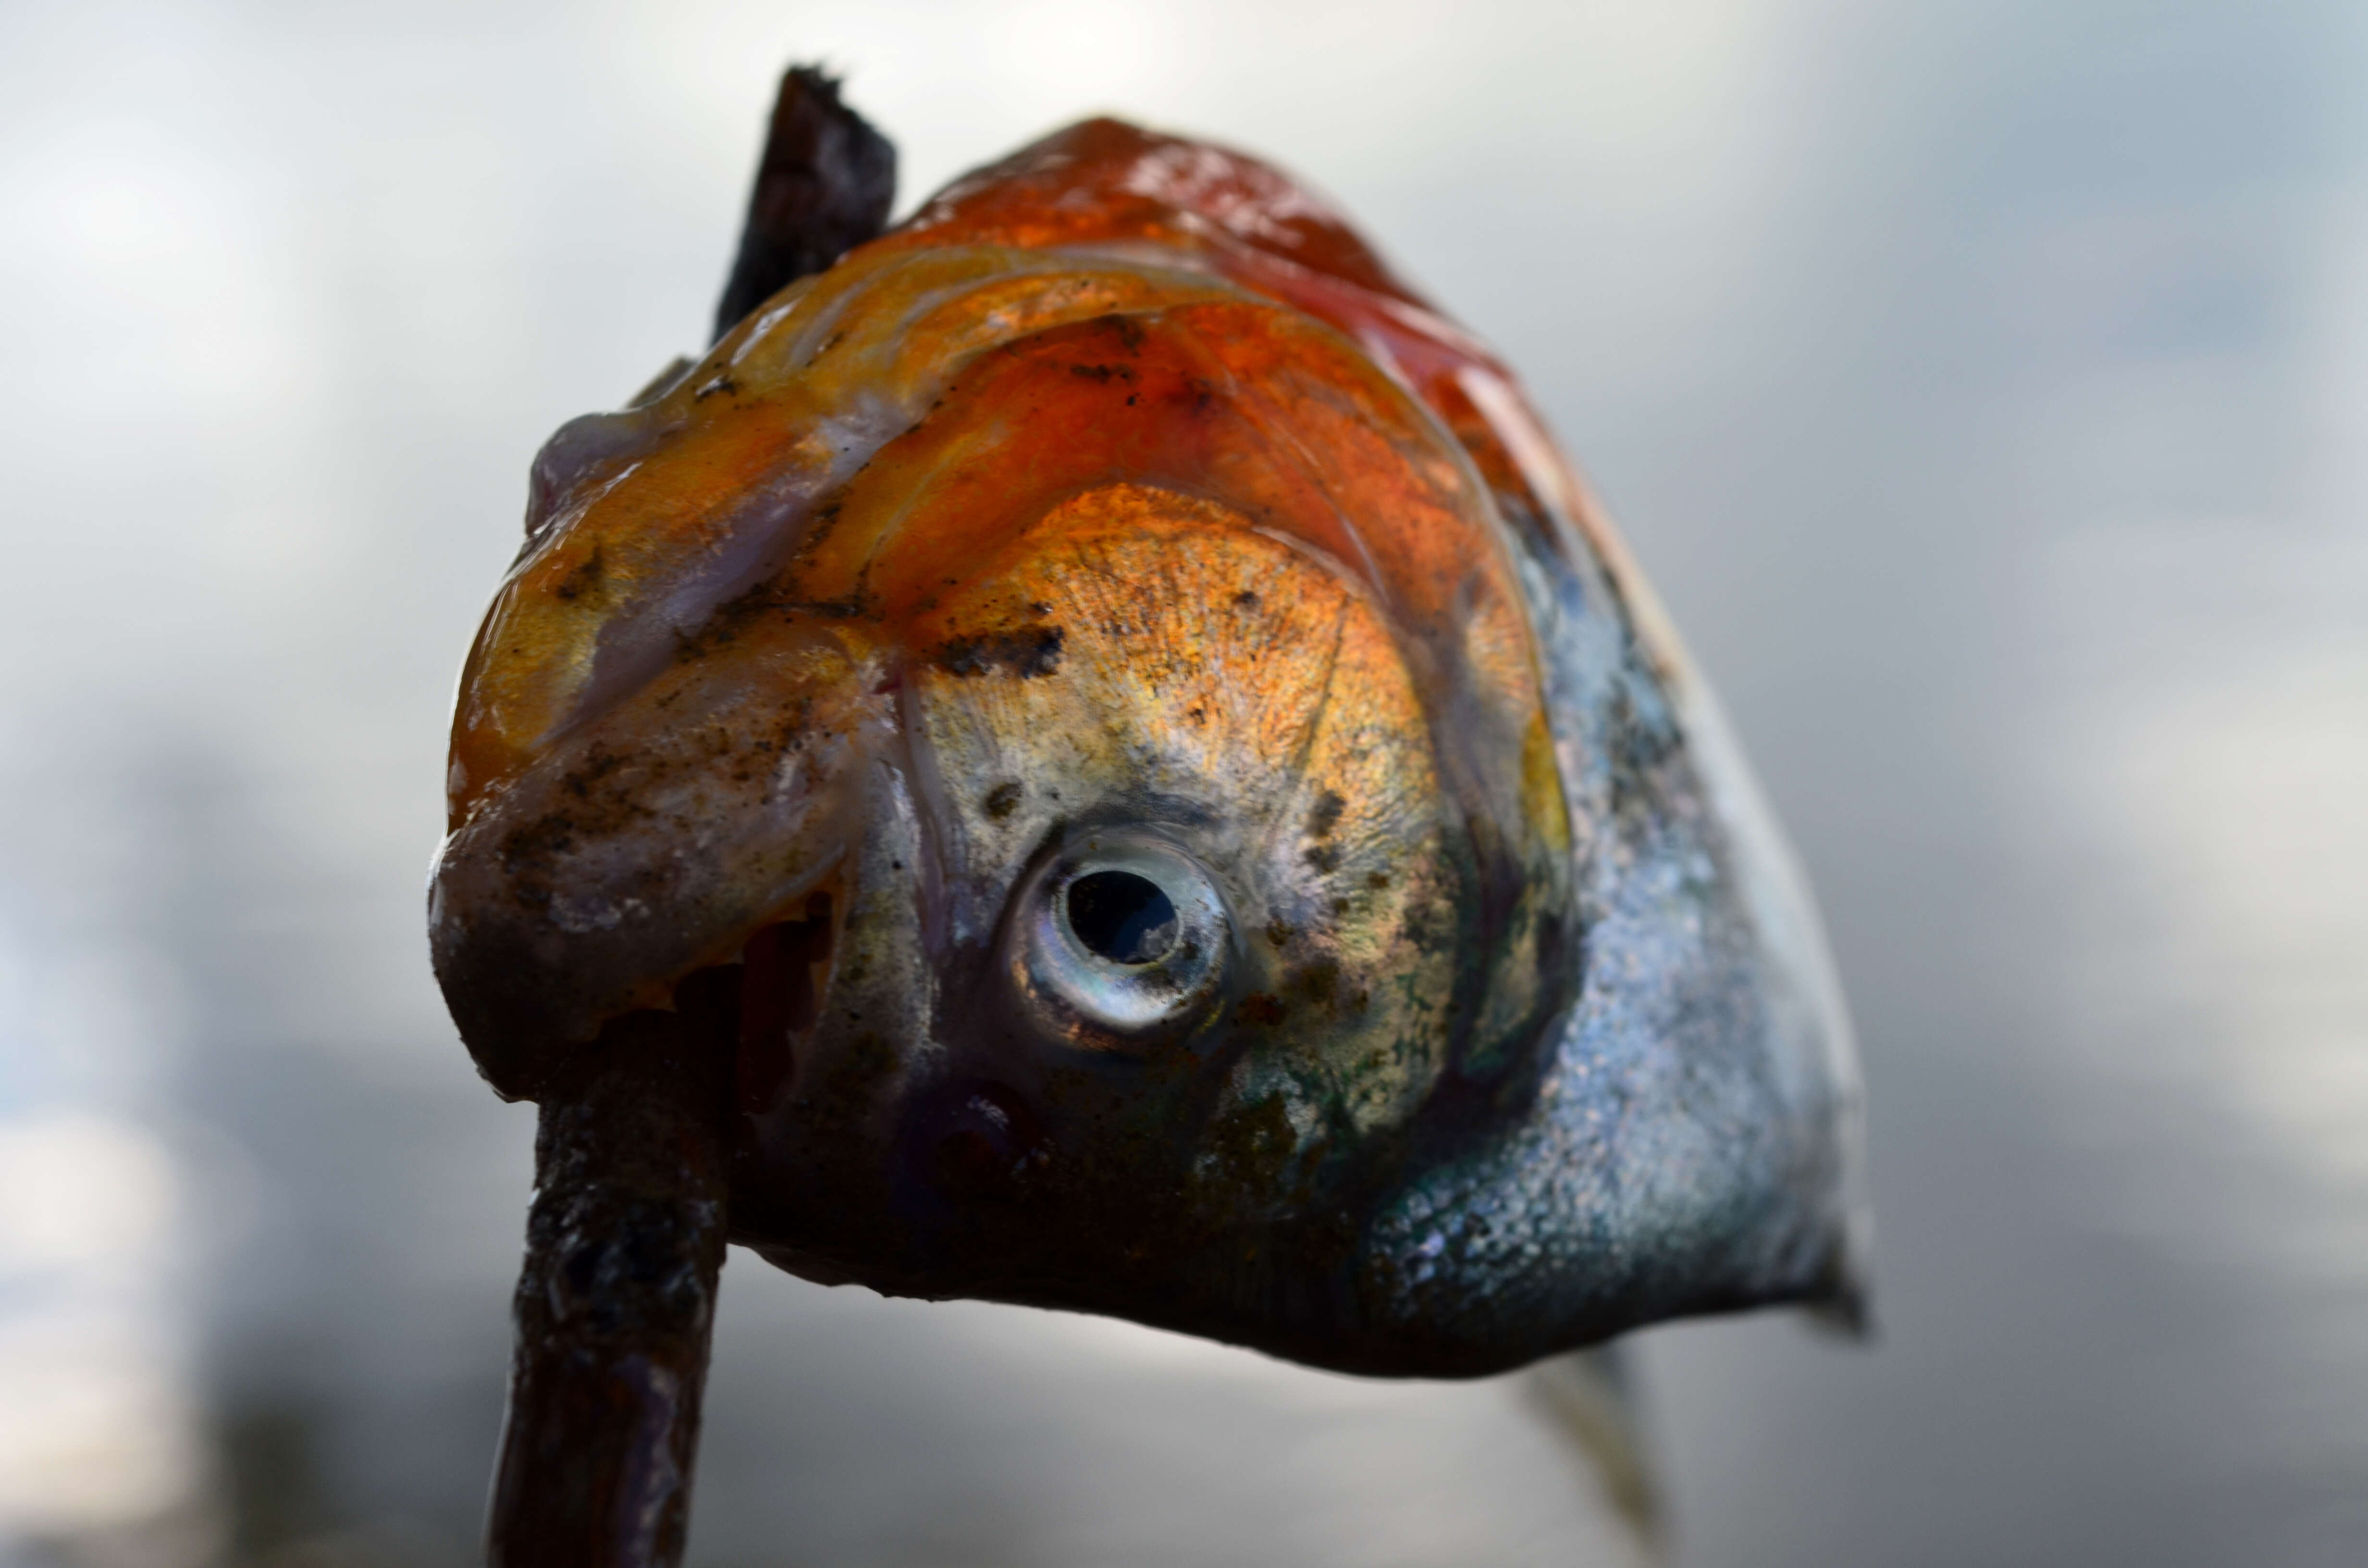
<point>824,186</point>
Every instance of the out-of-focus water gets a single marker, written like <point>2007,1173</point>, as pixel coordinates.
<point>1986,387</point>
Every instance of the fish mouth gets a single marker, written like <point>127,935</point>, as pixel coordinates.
<point>783,975</point>
<point>754,1015</point>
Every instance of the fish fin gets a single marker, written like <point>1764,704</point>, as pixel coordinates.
<point>1846,1308</point>
<point>1586,1398</point>
<point>824,186</point>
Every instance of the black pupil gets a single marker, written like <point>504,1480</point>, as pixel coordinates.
<point>1123,917</point>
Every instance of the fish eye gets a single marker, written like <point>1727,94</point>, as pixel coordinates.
<point>1122,916</point>
<point>1124,937</point>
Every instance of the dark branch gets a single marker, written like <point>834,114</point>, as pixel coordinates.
<point>618,1295</point>
<point>824,186</point>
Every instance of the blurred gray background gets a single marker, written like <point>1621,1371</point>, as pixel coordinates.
<point>1984,385</point>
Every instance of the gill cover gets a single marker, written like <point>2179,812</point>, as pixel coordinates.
<point>1206,823</point>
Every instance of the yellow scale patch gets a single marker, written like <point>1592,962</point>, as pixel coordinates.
<point>1202,662</point>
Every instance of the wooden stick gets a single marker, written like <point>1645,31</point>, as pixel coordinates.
<point>617,1300</point>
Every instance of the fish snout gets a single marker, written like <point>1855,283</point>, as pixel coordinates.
<point>662,837</point>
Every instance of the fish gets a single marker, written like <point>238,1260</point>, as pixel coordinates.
<point>1112,721</point>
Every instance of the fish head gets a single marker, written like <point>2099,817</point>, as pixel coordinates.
<point>1085,720</point>
<point>1117,721</point>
